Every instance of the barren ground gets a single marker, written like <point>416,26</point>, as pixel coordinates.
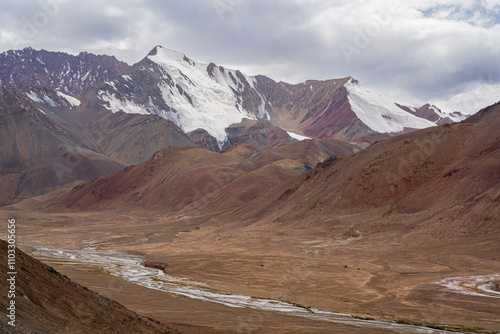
<point>379,271</point>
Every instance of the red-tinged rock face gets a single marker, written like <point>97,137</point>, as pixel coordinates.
<point>337,120</point>
<point>318,109</point>
<point>67,73</point>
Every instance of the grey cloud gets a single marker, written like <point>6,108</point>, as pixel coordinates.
<point>415,57</point>
<point>253,31</point>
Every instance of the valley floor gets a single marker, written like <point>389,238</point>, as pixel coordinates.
<point>383,271</point>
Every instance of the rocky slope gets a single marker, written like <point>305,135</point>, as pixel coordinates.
<point>58,70</point>
<point>48,302</point>
<point>257,132</point>
<point>36,150</point>
<point>48,140</point>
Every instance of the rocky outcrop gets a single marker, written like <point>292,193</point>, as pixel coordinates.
<point>257,132</point>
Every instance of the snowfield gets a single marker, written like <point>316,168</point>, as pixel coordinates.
<point>379,113</point>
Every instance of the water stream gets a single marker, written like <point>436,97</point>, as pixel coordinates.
<point>473,285</point>
<point>130,268</point>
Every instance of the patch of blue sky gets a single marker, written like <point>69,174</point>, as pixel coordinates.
<point>477,15</point>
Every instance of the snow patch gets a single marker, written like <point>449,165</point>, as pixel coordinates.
<point>86,76</point>
<point>114,104</point>
<point>298,137</point>
<point>73,101</point>
<point>33,96</point>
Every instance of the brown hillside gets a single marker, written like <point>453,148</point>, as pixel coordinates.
<point>247,187</point>
<point>171,179</point>
<point>178,176</point>
<point>46,146</point>
<point>48,302</point>
<point>64,171</point>
<point>444,166</point>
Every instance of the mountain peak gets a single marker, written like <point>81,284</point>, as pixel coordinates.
<point>161,54</point>
<point>154,50</point>
<point>352,80</point>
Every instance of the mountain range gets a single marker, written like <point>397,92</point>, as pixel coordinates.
<point>210,97</point>
<point>445,165</point>
<point>62,110</point>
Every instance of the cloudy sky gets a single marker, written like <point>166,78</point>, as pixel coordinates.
<point>446,52</point>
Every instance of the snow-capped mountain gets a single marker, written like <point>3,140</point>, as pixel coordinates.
<point>191,94</point>
<point>57,70</point>
<point>210,97</point>
<point>380,114</point>
<point>342,109</point>
<point>204,100</point>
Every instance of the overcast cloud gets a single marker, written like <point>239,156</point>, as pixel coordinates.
<point>445,52</point>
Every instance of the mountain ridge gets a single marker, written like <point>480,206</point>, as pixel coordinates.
<point>206,97</point>
<point>70,74</point>
<point>179,176</point>
<point>169,84</point>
